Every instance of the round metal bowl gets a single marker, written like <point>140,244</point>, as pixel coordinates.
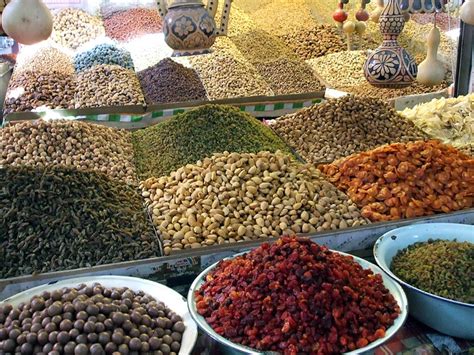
<point>229,347</point>
<point>444,315</point>
<point>169,297</point>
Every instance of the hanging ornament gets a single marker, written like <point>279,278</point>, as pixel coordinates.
<point>375,15</point>
<point>466,13</point>
<point>431,71</point>
<point>362,14</point>
<point>340,15</point>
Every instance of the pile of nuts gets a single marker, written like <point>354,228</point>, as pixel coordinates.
<point>69,143</point>
<point>406,180</point>
<point>232,197</point>
<point>144,55</point>
<point>103,53</point>
<point>341,127</point>
<point>90,320</point>
<point>108,85</point>
<point>74,27</point>
<point>44,60</point>
<point>30,91</point>
<point>364,89</point>
<point>128,24</point>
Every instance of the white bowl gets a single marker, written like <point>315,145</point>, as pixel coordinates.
<point>169,297</point>
<point>229,347</point>
<point>446,316</point>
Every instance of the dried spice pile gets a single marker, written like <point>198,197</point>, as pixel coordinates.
<point>340,127</point>
<point>30,91</point>
<point>295,296</point>
<point>70,143</point>
<point>315,42</point>
<point>232,197</point>
<point>199,133</point>
<point>168,82</point>
<point>129,24</point>
<point>406,180</point>
<point>441,267</point>
<point>103,53</point>
<point>90,320</point>
<point>61,218</point>
<point>45,60</point>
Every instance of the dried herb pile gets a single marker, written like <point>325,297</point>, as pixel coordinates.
<point>60,218</point>
<point>296,297</point>
<point>199,133</point>
<point>441,267</point>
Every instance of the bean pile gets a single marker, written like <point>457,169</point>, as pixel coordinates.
<point>197,134</point>
<point>69,143</point>
<point>169,81</point>
<point>30,91</point>
<point>129,24</point>
<point>90,320</point>
<point>366,90</point>
<point>61,218</point>
<point>103,54</point>
<point>296,297</point>
<point>341,127</point>
<point>441,267</point>
<point>122,87</point>
<point>74,27</point>
<point>234,197</point>
<point>44,60</point>
<point>316,42</point>
<point>406,180</point>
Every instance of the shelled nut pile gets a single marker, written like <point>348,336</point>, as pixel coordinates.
<point>45,60</point>
<point>103,53</point>
<point>144,55</point>
<point>122,87</point>
<point>232,197</point>
<point>340,127</point>
<point>60,218</point>
<point>406,180</point>
<point>68,143</point>
<point>132,23</point>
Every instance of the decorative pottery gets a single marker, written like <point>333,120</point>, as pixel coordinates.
<point>189,27</point>
<point>390,65</point>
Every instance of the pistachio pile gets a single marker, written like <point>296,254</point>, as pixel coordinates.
<point>62,218</point>
<point>103,53</point>
<point>74,27</point>
<point>45,60</point>
<point>232,197</point>
<point>344,126</point>
<point>199,133</point>
<point>108,85</point>
<point>69,143</point>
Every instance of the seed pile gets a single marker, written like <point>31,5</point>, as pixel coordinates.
<point>169,81</point>
<point>441,267</point>
<point>74,27</point>
<point>122,87</point>
<point>199,133</point>
<point>90,320</point>
<point>443,21</point>
<point>70,143</point>
<point>239,21</point>
<point>234,197</point>
<point>366,90</point>
<point>30,91</point>
<point>45,60</point>
<point>315,42</point>
<point>103,54</point>
<point>295,296</point>
<point>344,126</point>
<point>128,24</point>
<point>406,180</point>
<point>61,218</point>
<point>286,76</point>
<point>145,55</point>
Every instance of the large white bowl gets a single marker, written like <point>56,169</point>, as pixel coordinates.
<point>446,316</point>
<point>229,347</point>
<point>169,297</point>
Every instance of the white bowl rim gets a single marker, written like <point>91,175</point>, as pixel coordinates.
<point>396,278</point>
<point>403,309</point>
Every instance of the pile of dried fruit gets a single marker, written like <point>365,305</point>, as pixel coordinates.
<point>90,320</point>
<point>70,143</point>
<point>103,53</point>
<point>233,197</point>
<point>61,218</point>
<point>197,134</point>
<point>441,267</point>
<point>406,180</point>
<point>45,60</point>
<point>341,127</point>
<point>450,120</point>
<point>295,296</point>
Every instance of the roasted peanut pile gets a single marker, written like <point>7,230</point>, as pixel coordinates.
<point>232,197</point>
<point>70,143</point>
<point>132,23</point>
<point>108,85</point>
<point>74,27</point>
<point>44,61</point>
<point>340,127</point>
<point>406,180</point>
